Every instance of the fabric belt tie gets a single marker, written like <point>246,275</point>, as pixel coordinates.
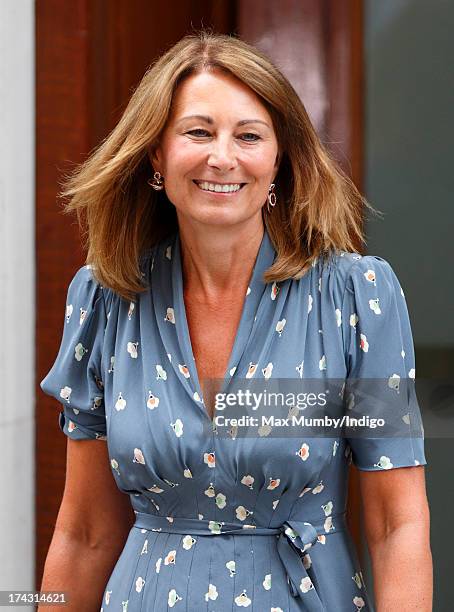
<point>295,538</point>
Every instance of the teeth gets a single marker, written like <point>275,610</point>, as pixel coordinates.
<point>219,188</point>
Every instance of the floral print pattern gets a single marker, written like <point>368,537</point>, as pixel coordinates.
<point>231,522</point>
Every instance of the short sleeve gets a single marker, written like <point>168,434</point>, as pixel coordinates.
<point>75,377</point>
<point>380,363</point>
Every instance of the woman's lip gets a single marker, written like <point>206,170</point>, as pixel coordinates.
<point>221,193</point>
<point>196,181</point>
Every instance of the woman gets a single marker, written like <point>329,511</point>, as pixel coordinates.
<point>221,247</point>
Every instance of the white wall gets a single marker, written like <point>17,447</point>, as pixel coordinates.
<point>17,295</point>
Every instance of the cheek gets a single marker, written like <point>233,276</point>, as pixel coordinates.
<point>259,164</point>
<point>177,158</point>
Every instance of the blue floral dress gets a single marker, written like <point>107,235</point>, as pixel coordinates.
<point>226,522</point>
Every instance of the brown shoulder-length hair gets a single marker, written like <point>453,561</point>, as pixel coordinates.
<point>319,208</point>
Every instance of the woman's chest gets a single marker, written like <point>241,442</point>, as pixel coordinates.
<point>152,355</point>
<point>155,416</point>
<point>212,332</point>
<point>212,336</point>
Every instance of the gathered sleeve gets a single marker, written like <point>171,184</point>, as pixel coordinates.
<point>380,361</point>
<point>75,378</point>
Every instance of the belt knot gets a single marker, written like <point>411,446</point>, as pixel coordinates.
<point>294,539</point>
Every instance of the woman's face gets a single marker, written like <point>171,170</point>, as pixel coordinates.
<point>218,133</point>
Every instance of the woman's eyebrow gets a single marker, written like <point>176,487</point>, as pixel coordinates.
<point>209,120</point>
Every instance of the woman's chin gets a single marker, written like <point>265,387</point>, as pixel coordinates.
<point>222,216</point>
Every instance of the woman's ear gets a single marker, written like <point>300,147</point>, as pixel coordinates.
<point>154,155</point>
<point>278,160</point>
<point>276,165</point>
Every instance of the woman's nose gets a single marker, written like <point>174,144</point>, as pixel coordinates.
<point>222,154</point>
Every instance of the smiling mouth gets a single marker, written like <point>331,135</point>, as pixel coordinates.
<point>219,188</point>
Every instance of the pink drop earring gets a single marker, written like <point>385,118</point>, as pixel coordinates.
<point>157,182</point>
<point>271,199</point>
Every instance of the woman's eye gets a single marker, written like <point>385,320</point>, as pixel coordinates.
<point>197,130</point>
<point>256,136</point>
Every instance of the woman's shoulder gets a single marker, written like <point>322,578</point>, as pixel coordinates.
<point>83,277</point>
<point>346,264</point>
<point>83,284</point>
<point>350,271</point>
<point>86,290</point>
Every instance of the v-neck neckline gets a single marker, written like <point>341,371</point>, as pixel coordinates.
<point>249,313</point>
